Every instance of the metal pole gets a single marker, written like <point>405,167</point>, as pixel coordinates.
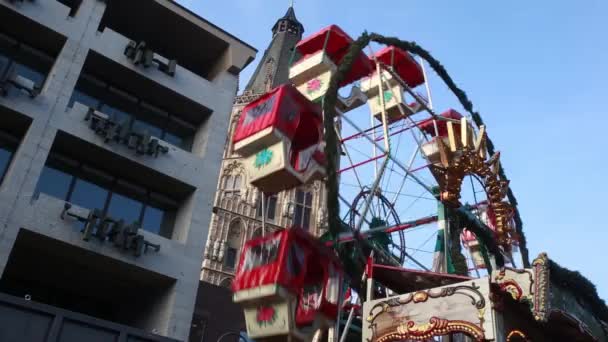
<point>387,152</point>
<point>336,333</point>
<point>409,166</point>
<point>426,83</point>
<point>347,325</point>
<point>263,214</point>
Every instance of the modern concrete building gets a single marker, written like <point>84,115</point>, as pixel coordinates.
<point>113,121</point>
<point>238,207</point>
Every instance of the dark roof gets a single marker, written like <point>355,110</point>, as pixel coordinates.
<point>273,69</point>
<point>290,16</point>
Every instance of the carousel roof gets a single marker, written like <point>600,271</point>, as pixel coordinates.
<point>404,280</point>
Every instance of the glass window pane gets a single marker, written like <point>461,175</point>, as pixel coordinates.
<point>30,74</point>
<point>230,258</point>
<point>259,207</point>
<point>179,132</point>
<point>80,97</point>
<point>297,216</point>
<point>116,114</point>
<point>88,195</point>
<point>54,183</point>
<point>5,159</point>
<point>299,196</point>
<point>175,140</point>
<point>144,127</point>
<point>309,198</point>
<point>306,223</point>
<point>227,180</point>
<point>237,182</point>
<point>272,204</point>
<point>153,219</point>
<point>122,207</point>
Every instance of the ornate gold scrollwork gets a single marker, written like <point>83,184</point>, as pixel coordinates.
<point>464,158</point>
<point>435,327</point>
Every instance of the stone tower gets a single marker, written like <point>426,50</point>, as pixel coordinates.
<point>237,214</point>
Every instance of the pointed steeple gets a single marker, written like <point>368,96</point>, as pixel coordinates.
<point>288,23</point>
<point>273,68</point>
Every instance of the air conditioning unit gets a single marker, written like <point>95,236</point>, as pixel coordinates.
<point>13,79</point>
<point>140,54</point>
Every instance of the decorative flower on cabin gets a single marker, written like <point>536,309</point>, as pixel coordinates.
<point>263,158</point>
<point>388,96</point>
<point>266,315</point>
<point>313,85</point>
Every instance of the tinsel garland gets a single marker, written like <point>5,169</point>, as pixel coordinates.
<point>331,146</point>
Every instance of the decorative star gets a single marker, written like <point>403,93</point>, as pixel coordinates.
<point>263,158</point>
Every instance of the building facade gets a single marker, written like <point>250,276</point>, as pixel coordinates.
<point>113,117</point>
<point>238,206</point>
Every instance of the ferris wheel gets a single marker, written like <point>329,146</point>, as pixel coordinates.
<point>410,190</point>
<point>394,150</point>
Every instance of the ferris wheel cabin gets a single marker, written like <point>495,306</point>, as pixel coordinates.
<point>280,137</point>
<point>439,131</point>
<point>395,104</point>
<point>288,284</point>
<point>321,53</point>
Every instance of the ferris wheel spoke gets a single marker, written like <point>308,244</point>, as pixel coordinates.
<point>349,159</point>
<point>352,123</point>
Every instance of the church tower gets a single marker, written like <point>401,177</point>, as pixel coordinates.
<point>238,208</point>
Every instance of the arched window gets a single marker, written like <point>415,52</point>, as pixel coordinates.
<point>233,244</point>
<point>232,185</point>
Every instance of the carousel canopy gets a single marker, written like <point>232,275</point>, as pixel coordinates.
<point>336,43</point>
<point>428,127</point>
<point>282,108</point>
<point>403,64</point>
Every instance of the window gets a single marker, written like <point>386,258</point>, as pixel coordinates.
<point>133,113</point>
<point>232,185</point>
<point>303,209</point>
<point>270,203</point>
<point>233,244</point>
<point>8,145</point>
<point>91,188</point>
<point>23,60</point>
<point>230,258</point>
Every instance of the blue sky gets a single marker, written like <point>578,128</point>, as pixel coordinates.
<point>536,70</point>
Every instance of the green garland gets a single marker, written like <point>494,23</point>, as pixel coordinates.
<point>331,147</point>
<point>482,232</point>
<point>580,287</point>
